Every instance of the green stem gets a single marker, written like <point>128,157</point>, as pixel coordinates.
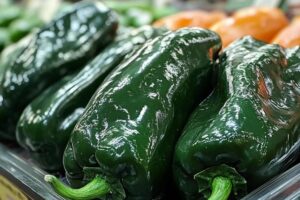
<point>95,189</point>
<point>221,188</point>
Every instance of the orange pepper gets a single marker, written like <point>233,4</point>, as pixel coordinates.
<point>289,36</point>
<point>196,18</point>
<point>261,23</point>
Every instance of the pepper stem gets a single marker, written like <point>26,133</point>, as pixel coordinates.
<point>221,188</point>
<point>95,189</point>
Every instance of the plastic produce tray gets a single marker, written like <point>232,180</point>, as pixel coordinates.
<point>285,186</point>
<point>21,179</point>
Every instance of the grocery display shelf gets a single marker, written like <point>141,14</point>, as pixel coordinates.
<point>285,186</point>
<point>21,179</point>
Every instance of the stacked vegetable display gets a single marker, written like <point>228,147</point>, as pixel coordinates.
<point>126,111</point>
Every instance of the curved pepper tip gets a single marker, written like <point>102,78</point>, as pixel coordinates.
<point>96,188</point>
<point>49,178</point>
<point>221,188</point>
<point>206,177</point>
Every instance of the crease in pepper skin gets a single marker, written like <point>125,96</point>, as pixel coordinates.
<point>59,48</point>
<point>250,121</point>
<point>46,124</point>
<point>128,130</point>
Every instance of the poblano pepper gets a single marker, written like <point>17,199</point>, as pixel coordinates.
<point>46,124</point>
<point>246,131</point>
<point>124,140</point>
<point>61,47</point>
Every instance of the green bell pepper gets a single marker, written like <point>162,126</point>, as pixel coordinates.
<point>125,138</point>
<point>60,48</point>
<point>45,126</point>
<point>246,131</point>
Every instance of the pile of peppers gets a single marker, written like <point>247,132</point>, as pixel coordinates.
<point>136,113</point>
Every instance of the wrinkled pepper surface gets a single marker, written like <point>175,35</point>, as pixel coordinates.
<point>246,131</point>
<point>125,138</point>
<point>61,47</point>
<point>46,124</point>
<point>292,73</point>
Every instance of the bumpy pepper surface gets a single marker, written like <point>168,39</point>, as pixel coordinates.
<point>59,48</point>
<point>292,73</point>
<point>248,127</point>
<point>46,124</point>
<point>127,133</point>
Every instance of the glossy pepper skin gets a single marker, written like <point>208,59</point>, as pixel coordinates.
<point>128,129</point>
<point>46,124</point>
<point>61,47</point>
<point>292,73</point>
<point>250,121</point>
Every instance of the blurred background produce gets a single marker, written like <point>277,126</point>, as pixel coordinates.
<point>290,35</point>
<point>16,21</point>
<point>228,18</point>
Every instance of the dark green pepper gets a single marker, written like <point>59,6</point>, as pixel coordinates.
<point>292,73</point>
<point>125,138</point>
<point>246,131</point>
<point>46,124</point>
<point>59,48</point>
<point>11,53</point>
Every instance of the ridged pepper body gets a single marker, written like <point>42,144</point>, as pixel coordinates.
<point>46,123</point>
<point>61,47</point>
<point>128,130</point>
<point>249,122</point>
<point>292,73</point>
